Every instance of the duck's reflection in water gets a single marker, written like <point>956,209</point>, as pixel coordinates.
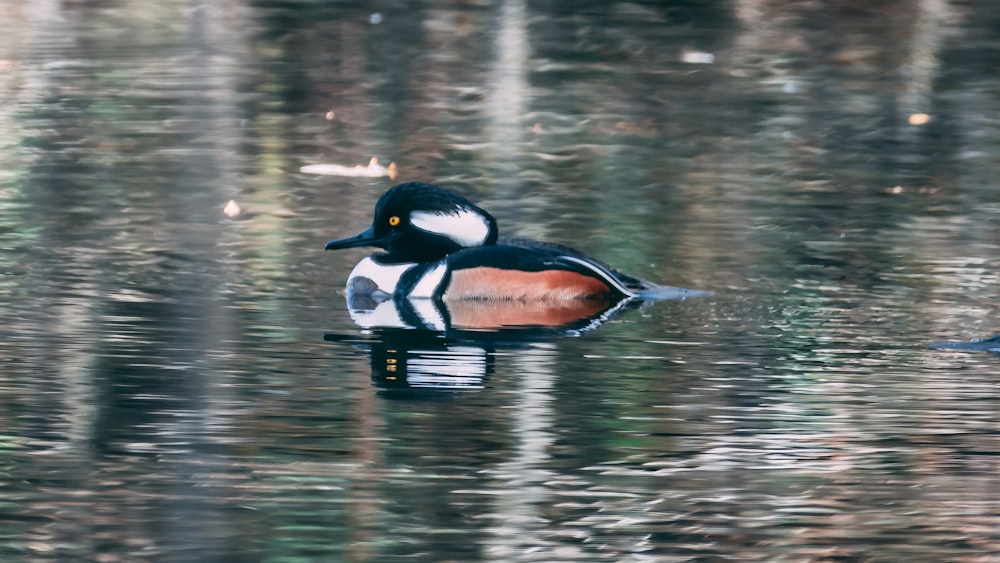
<point>420,360</point>
<point>424,347</point>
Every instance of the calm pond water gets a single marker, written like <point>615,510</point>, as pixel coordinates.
<point>182,379</point>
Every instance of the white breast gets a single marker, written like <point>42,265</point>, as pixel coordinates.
<point>372,277</point>
<point>383,277</point>
<point>373,285</point>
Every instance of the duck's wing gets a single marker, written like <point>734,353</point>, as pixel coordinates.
<point>569,258</point>
<point>587,263</point>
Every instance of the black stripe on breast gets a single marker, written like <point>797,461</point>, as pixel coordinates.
<point>412,277</point>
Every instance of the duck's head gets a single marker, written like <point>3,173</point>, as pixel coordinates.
<point>418,222</point>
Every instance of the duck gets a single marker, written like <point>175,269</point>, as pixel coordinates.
<point>438,245</point>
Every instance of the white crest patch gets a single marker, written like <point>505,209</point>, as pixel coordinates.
<point>464,226</point>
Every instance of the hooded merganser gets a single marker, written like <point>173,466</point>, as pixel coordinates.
<point>439,245</point>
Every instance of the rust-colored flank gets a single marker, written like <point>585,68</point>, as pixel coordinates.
<point>548,286</point>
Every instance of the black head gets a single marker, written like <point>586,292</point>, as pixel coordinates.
<point>418,222</point>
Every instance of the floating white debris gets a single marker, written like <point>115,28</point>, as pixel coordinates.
<point>919,119</point>
<point>695,57</point>
<point>373,170</point>
<point>232,209</point>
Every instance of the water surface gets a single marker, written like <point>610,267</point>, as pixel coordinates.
<point>182,384</point>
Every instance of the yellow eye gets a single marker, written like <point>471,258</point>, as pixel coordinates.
<point>393,221</point>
